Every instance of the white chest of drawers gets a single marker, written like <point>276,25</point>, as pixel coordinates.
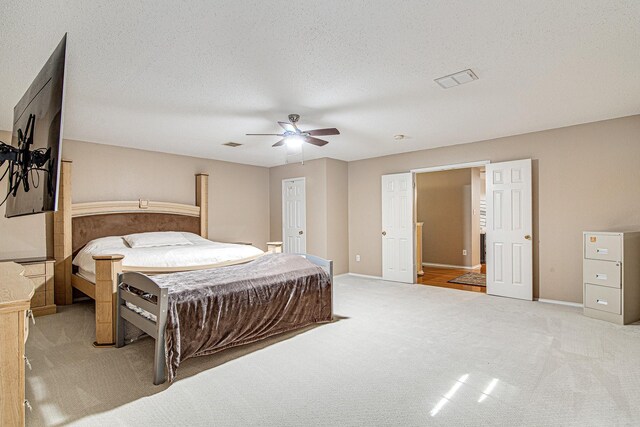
<point>611,276</point>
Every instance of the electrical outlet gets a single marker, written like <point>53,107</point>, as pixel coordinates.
<point>357,258</point>
<point>464,252</point>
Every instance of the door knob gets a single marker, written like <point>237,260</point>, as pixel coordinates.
<point>528,237</point>
<point>301,232</point>
<point>384,233</point>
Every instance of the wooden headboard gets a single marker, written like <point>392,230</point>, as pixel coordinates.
<point>77,224</point>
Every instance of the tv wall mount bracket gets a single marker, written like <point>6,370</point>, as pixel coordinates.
<point>24,163</point>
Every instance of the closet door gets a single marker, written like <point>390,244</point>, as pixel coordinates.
<point>509,230</point>
<point>294,216</point>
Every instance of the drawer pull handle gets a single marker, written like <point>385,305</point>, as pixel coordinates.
<point>601,276</point>
<point>602,251</point>
<point>601,301</point>
<point>28,405</point>
<point>26,361</point>
<point>30,315</point>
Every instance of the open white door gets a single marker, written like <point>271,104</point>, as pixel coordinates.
<point>509,230</point>
<point>397,227</point>
<point>294,217</point>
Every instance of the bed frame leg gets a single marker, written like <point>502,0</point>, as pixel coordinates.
<point>107,269</point>
<point>159,358</point>
<point>119,320</point>
<point>159,363</point>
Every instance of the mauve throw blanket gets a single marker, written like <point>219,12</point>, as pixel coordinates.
<point>211,310</point>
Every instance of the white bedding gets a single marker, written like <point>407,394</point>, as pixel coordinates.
<point>202,252</point>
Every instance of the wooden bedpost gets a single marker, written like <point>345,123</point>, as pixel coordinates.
<point>202,200</point>
<point>107,269</point>
<point>62,238</point>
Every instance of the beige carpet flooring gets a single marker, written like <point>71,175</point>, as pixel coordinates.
<point>399,355</point>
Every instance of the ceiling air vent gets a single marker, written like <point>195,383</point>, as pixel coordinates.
<point>456,79</point>
<point>232,144</point>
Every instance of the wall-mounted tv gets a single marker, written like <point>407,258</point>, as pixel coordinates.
<point>36,144</point>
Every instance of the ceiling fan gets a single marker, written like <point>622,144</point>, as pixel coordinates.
<point>294,135</point>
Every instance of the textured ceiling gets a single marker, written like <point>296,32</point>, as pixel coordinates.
<point>186,77</point>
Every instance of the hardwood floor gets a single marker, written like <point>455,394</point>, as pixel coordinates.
<point>434,276</point>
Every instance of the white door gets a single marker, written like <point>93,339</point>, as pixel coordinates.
<point>294,218</point>
<point>397,227</point>
<point>509,230</point>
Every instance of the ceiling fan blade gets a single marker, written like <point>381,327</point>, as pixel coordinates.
<point>288,127</point>
<point>265,134</point>
<point>279,143</point>
<point>323,132</point>
<point>315,141</point>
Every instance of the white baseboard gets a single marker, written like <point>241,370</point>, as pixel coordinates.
<point>553,301</point>
<point>365,276</point>
<point>463,267</point>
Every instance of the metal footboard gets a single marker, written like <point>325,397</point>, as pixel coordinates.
<point>158,309</point>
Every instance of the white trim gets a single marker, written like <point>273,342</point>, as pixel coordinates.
<point>463,267</point>
<point>453,166</point>
<point>365,276</point>
<point>553,301</point>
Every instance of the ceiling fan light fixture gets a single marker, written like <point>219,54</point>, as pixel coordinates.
<point>294,141</point>
<point>294,137</point>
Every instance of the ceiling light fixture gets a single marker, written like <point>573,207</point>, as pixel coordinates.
<point>456,79</point>
<point>232,144</point>
<point>294,141</point>
<point>400,137</point>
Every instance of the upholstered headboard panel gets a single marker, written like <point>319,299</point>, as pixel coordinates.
<point>87,228</point>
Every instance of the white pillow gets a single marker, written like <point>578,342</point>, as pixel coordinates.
<point>160,238</point>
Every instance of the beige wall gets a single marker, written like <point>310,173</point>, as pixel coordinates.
<point>585,177</point>
<point>238,194</point>
<point>443,207</point>
<point>338,215</point>
<point>326,195</point>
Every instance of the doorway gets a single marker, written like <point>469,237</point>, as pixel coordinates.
<point>294,216</point>
<point>449,228</point>
<point>509,227</point>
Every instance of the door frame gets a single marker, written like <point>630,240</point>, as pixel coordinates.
<point>439,168</point>
<point>477,164</point>
<point>282,207</point>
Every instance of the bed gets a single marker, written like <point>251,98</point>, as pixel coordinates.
<point>78,224</point>
<point>199,313</point>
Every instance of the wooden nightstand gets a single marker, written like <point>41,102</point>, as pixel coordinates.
<point>40,271</point>
<point>274,247</point>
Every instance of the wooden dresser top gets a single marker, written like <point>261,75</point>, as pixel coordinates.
<point>15,289</point>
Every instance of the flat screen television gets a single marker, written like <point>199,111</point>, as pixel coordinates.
<point>33,179</point>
